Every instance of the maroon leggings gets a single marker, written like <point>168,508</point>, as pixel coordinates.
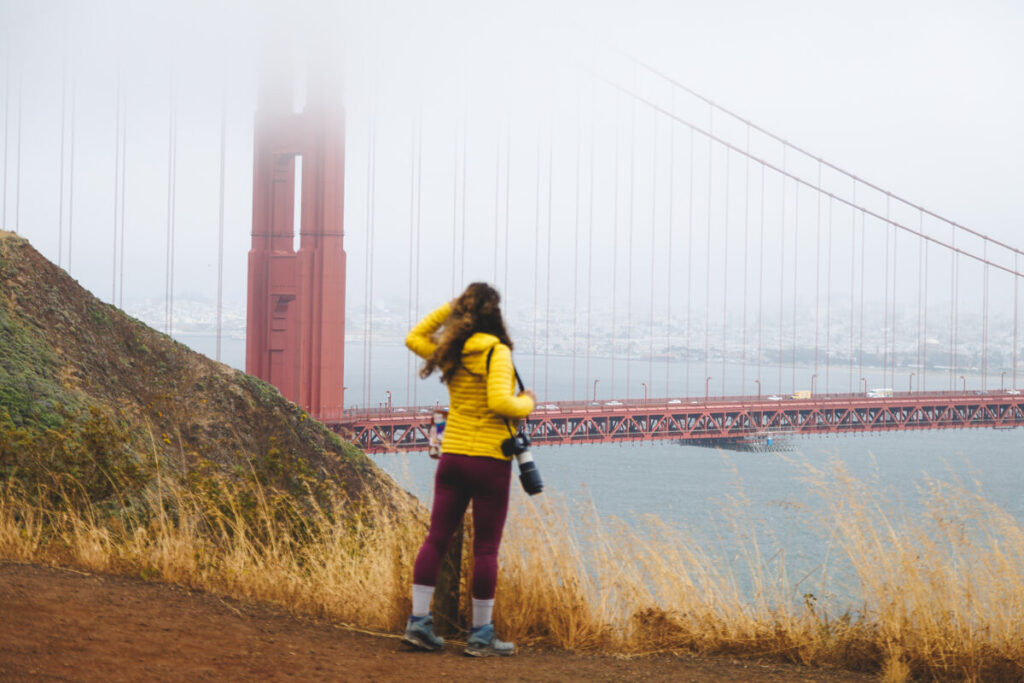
<point>459,479</point>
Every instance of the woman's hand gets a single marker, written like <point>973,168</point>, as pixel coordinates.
<point>528,392</point>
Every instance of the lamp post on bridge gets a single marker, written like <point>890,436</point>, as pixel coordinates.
<point>814,378</point>
<point>965,383</point>
<point>910,389</point>
<point>707,385</point>
<point>595,389</point>
<point>1002,380</point>
<point>865,380</point>
<point>644,385</point>
<point>388,393</point>
<point>758,382</point>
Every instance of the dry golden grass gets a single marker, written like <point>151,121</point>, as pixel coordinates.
<point>938,596</point>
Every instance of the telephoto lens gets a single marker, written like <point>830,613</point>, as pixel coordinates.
<point>529,475</point>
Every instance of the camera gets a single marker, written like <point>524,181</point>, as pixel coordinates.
<point>518,446</point>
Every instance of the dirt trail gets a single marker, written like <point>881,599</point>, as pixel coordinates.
<point>60,624</point>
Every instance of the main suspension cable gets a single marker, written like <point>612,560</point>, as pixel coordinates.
<point>796,148</point>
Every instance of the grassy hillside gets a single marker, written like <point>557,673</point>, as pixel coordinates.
<point>91,393</point>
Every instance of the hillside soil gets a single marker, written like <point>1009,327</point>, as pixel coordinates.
<point>60,624</point>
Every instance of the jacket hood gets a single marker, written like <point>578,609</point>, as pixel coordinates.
<point>480,342</point>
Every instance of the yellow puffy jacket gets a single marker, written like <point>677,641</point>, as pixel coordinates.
<point>479,401</point>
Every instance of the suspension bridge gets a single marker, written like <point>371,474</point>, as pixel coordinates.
<point>646,240</point>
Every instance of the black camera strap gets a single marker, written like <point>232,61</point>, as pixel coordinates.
<point>487,372</point>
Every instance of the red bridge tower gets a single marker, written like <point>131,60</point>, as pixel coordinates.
<point>295,332</point>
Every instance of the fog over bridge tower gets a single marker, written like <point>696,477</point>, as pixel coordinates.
<point>295,330</point>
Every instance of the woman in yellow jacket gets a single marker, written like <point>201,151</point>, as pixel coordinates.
<point>466,341</point>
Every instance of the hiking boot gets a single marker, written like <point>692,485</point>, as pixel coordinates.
<point>419,633</point>
<point>483,643</point>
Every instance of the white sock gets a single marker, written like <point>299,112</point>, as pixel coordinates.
<point>421,597</point>
<point>482,612</point>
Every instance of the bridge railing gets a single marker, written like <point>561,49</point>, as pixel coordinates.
<point>422,412</point>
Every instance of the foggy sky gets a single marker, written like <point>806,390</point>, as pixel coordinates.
<point>922,98</point>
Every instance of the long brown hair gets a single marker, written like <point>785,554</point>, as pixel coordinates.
<point>476,310</point>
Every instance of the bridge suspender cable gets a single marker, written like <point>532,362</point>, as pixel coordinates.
<point>828,306</point>
<point>455,204</point>
<point>895,272</point>
<point>371,179</point>
<point>465,162</point>
<point>409,369</point>
<point>508,186</point>
<point>760,285</point>
<point>220,219</point>
<point>746,255</point>
<point>923,310</point>
<point>885,319</point>
<point>817,277</point>
<point>782,264</point>
<point>590,247</point>
<point>725,273</point>
<point>796,271</point>
<point>863,260</point>
<point>654,227</point>
<point>71,171</point>
<point>707,259</point>
<point>1016,283</point>
<point>419,253</point>
<point>63,127</point>
<point>689,269</point>
<point>124,192</point>
<point>7,112</point>
<point>984,317</point>
<point>615,242</point>
<point>117,180</point>
<point>629,264</point>
<point>952,312</point>
<point>547,287</point>
<point>497,199</point>
<point>863,253</point>
<point>668,270</point>
<point>536,259</point>
<point>853,284</point>
<point>576,249</point>
<point>172,134</point>
<point>17,168</point>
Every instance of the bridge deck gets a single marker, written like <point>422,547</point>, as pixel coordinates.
<point>715,420</point>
